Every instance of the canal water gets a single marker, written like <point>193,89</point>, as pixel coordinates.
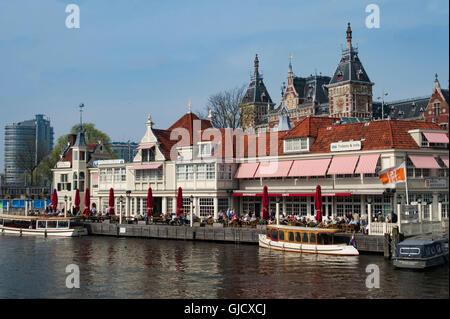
<point>110,267</point>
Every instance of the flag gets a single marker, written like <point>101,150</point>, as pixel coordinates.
<point>392,176</point>
<point>353,240</point>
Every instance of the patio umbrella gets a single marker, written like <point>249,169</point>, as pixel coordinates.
<point>318,203</point>
<point>149,202</point>
<point>111,201</point>
<point>87,202</point>
<point>54,200</point>
<point>265,203</point>
<point>179,201</point>
<point>77,200</point>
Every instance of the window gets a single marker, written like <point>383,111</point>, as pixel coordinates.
<point>117,175</point>
<point>123,174</point>
<point>291,236</point>
<point>75,155</point>
<point>409,251</point>
<point>274,235</point>
<point>225,171</point>
<point>298,237</point>
<point>305,238</point>
<point>148,154</point>
<point>295,145</point>
<point>82,156</point>
<point>190,172</point>
<point>312,238</point>
<point>281,235</point>
<point>223,204</point>
<point>210,171</point>
<point>204,149</point>
<point>201,171</point>
<point>206,206</point>
<point>181,172</point>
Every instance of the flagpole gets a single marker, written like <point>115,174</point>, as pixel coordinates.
<point>406,180</point>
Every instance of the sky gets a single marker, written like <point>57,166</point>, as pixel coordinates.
<point>134,58</point>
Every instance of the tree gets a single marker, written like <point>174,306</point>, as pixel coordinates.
<point>225,108</point>
<point>29,157</point>
<point>92,135</point>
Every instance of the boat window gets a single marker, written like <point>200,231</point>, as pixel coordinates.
<point>291,236</point>
<point>433,250</point>
<point>411,251</point>
<point>41,224</point>
<point>298,237</point>
<point>312,238</point>
<point>51,224</point>
<point>305,237</point>
<point>323,239</point>
<point>268,232</point>
<point>274,234</point>
<point>438,248</point>
<point>63,224</point>
<point>1,222</point>
<point>281,235</point>
<point>427,251</point>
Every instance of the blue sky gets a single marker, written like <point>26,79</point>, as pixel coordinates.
<point>132,58</point>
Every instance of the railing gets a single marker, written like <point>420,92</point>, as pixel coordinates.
<point>410,228</point>
<point>377,228</point>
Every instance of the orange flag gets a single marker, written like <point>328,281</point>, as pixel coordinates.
<point>393,175</point>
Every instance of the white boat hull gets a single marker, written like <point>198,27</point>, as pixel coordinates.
<point>337,249</point>
<point>69,232</point>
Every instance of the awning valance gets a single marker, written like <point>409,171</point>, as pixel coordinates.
<point>273,169</point>
<point>145,146</point>
<point>436,137</point>
<point>424,161</point>
<point>309,167</point>
<point>342,165</point>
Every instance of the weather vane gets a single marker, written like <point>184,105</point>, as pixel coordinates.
<point>81,114</point>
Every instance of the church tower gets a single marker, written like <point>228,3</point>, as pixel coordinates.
<point>256,102</point>
<point>350,89</point>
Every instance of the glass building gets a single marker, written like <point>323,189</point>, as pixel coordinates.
<point>26,143</point>
<point>125,150</point>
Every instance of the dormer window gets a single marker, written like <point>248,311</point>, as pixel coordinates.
<point>339,76</point>
<point>148,154</point>
<point>204,149</point>
<point>82,155</point>
<point>360,74</point>
<point>296,145</point>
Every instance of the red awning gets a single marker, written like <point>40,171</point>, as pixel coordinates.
<point>147,166</point>
<point>288,195</point>
<point>273,169</point>
<point>367,164</point>
<point>436,137</point>
<point>424,161</point>
<point>444,158</point>
<point>246,170</point>
<point>342,165</point>
<point>145,146</point>
<point>309,167</point>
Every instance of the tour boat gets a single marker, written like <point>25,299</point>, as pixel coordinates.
<point>40,226</point>
<point>421,252</point>
<point>304,240</point>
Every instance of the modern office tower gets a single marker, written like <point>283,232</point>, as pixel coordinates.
<point>26,143</point>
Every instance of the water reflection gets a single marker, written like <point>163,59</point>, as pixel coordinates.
<point>138,268</point>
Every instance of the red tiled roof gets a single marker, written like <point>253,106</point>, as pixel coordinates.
<point>309,126</point>
<point>187,122</point>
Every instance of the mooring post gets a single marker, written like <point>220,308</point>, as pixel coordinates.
<point>387,246</point>
<point>395,241</point>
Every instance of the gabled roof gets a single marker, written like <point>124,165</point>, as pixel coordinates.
<point>309,126</point>
<point>187,122</point>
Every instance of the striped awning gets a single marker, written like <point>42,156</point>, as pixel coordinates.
<point>147,166</point>
<point>367,164</point>
<point>246,170</point>
<point>342,165</point>
<point>444,158</point>
<point>310,167</point>
<point>273,169</point>
<point>436,137</point>
<point>424,161</point>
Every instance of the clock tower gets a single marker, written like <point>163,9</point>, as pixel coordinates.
<point>350,89</point>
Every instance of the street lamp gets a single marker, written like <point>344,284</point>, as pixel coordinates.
<point>127,212</point>
<point>278,199</point>
<point>120,209</point>
<point>382,103</point>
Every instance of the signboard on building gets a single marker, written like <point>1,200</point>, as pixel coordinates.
<point>345,146</point>
<point>436,183</point>
<point>63,164</point>
<point>108,162</point>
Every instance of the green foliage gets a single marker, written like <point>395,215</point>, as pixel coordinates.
<point>92,135</point>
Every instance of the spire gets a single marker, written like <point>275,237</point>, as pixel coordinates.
<point>256,63</point>
<point>80,139</point>
<point>210,115</point>
<point>189,106</point>
<point>290,73</point>
<point>349,36</point>
<point>149,121</point>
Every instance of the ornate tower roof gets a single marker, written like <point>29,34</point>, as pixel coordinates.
<point>257,92</point>
<point>350,67</point>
